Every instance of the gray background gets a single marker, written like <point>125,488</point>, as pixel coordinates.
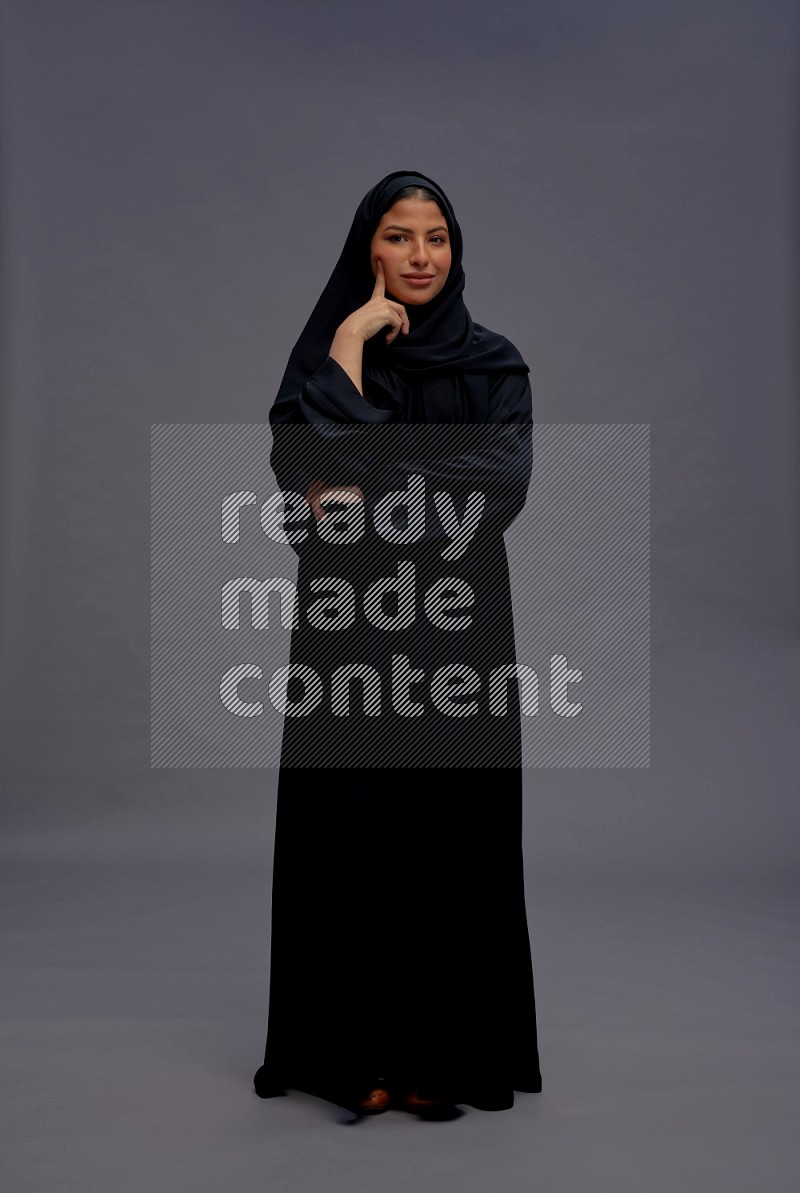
<point>177,181</point>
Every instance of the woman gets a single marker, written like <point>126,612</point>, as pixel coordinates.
<point>401,971</point>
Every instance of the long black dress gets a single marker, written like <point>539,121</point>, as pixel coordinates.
<point>400,951</point>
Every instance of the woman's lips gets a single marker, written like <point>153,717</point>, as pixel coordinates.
<point>412,281</point>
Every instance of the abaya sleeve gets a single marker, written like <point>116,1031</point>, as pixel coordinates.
<point>360,439</point>
<point>493,458</point>
<point>310,429</point>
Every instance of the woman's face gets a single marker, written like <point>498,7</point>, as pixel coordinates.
<point>412,239</point>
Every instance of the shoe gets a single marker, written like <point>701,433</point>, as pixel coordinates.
<point>431,1109</point>
<point>377,1101</point>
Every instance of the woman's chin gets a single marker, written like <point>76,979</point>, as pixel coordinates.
<point>411,296</point>
<point>415,299</point>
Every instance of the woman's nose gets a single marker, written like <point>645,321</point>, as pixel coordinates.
<point>419,254</point>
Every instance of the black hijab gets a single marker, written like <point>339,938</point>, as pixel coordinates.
<point>442,341</point>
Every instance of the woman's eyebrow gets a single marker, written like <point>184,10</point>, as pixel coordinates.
<point>398,228</point>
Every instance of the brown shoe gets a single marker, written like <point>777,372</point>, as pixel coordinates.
<point>432,1109</point>
<point>376,1101</point>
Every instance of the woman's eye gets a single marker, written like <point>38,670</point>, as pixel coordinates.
<point>399,236</point>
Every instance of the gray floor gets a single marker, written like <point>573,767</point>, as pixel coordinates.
<point>662,912</point>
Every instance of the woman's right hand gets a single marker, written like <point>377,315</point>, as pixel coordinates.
<point>319,489</point>
<point>376,313</point>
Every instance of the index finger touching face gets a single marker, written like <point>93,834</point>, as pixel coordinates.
<point>379,278</point>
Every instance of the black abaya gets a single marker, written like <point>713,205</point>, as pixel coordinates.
<point>400,951</point>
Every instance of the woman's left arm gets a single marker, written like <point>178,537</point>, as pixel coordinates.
<point>493,460</point>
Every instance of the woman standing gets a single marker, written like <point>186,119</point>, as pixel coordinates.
<point>400,965</point>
